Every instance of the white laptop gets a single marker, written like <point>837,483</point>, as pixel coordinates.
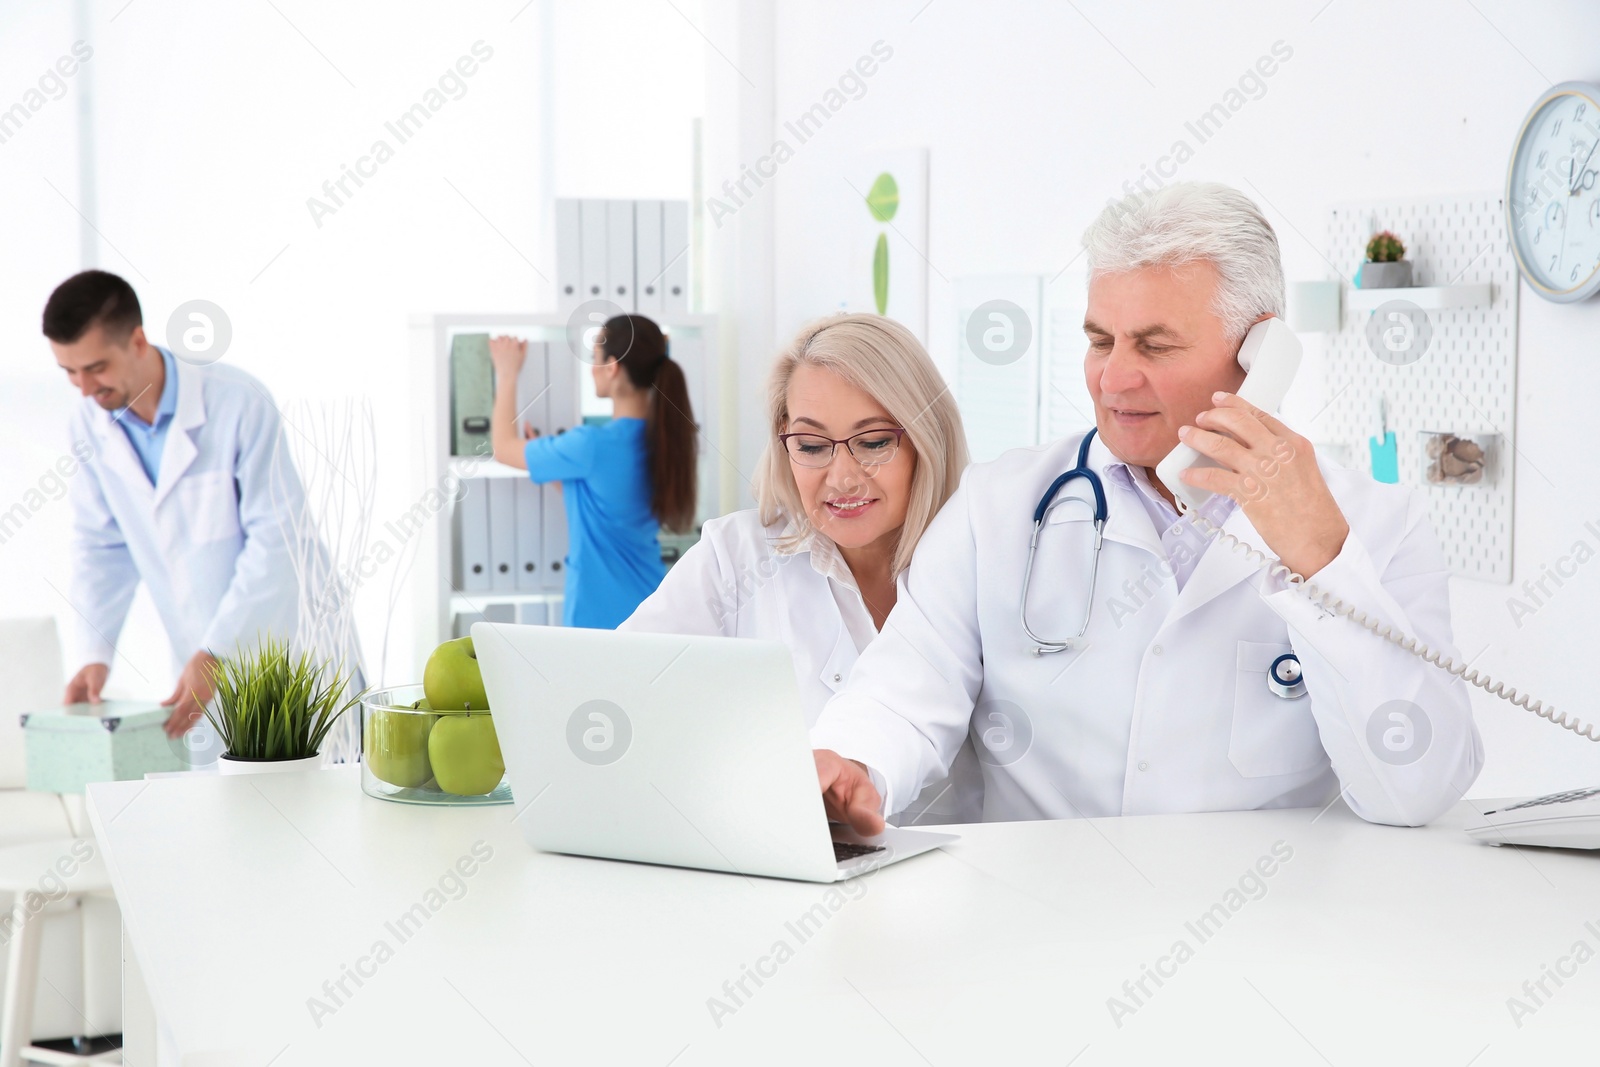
<point>662,748</point>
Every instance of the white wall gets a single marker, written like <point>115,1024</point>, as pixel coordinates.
<point>1034,115</point>
<point>215,124</point>
<point>38,247</point>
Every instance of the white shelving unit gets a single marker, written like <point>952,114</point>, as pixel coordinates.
<point>438,599</point>
<point>1465,382</point>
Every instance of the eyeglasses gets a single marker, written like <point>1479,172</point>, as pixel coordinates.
<point>870,448</point>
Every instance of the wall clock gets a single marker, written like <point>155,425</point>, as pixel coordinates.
<point>1552,199</point>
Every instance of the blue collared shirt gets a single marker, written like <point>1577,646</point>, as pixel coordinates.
<point>1180,539</point>
<point>149,439</point>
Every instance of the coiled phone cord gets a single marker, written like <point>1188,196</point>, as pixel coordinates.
<point>1276,569</point>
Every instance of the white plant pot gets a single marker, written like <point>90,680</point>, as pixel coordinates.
<point>228,765</point>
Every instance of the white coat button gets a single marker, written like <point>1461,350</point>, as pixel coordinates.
<point>1144,765</point>
<point>836,677</point>
<point>1155,650</point>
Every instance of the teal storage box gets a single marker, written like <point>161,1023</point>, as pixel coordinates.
<point>71,746</point>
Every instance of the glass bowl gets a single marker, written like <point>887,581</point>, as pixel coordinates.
<point>399,750</point>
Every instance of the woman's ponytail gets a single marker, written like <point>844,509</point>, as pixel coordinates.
<point>670,429</point>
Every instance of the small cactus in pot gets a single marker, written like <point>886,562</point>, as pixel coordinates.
<point>1386,266</point>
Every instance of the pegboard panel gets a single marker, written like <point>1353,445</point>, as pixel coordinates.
<point>1464,382</point>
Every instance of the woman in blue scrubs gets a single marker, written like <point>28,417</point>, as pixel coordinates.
<point>621,481</point>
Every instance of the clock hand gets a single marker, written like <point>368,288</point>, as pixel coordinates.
<point>1574,190</point>
<point>1562,253</point>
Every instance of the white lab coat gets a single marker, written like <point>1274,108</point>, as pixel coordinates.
<point>205,539</point>
<point>1165,708</point>
<point>737,582</point>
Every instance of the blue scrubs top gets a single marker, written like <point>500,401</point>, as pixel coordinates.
<point>613,551</point>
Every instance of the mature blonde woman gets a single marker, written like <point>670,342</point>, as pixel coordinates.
<point>866,447</point>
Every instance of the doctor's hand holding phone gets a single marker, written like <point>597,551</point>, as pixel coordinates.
<point>1241,450</point>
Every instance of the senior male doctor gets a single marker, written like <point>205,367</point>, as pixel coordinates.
<point>179,492</point>
<point>1164,706</point>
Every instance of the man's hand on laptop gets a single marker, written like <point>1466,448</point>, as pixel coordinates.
<point>848,793</point>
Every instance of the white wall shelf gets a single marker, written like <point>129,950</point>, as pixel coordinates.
<point>470,603</point>
<point>472,467</point>
<point>1426,297</point>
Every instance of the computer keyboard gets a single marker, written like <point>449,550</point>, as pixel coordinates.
<point>1569,819</point>
<point>845,850</point>
<point>1554,798</point>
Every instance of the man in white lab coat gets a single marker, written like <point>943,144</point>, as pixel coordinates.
<point>180,491</point>
<point>1164,705</point>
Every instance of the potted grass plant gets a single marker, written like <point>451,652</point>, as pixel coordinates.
<point>273,708</point>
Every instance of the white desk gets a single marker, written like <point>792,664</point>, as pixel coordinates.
<point>242,895</point>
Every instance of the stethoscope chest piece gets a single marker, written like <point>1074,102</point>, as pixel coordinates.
<point>1284,678</point>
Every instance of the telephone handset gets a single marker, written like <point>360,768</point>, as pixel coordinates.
<point>1270,355</point>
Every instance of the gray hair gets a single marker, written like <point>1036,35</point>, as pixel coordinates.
<point>1188,221</point>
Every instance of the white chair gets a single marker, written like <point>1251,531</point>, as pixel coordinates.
<point>79,946</point>
<point>46,880</point>
<point>30,662</point>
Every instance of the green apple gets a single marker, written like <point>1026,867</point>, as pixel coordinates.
<point>452,680</point>
<point>396,745</point>
<point>465,752</point>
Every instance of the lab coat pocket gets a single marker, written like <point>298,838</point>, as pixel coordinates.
<point>208,506</point>
<point>1270,735</point>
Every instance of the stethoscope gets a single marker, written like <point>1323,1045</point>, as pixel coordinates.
<point>1283,677</point>
<point>1047,504</point>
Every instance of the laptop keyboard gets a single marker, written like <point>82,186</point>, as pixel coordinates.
<point>844,850</point>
